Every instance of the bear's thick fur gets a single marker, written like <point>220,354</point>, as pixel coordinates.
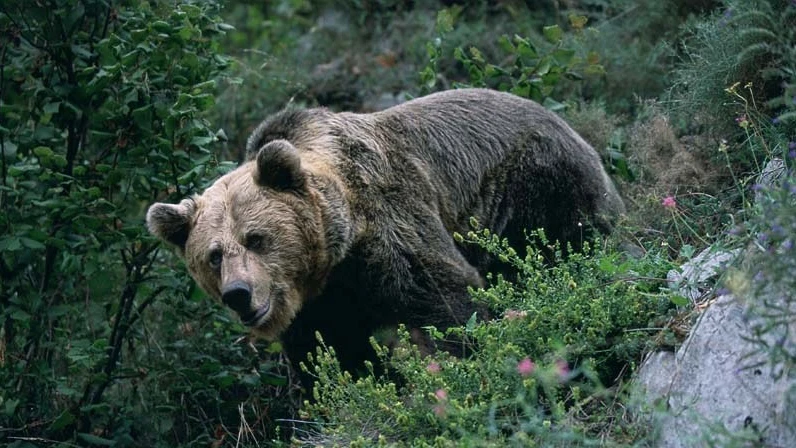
<point>342,223</point>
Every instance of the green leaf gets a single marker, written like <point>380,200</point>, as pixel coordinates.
<point>522,90</point>
<point>51,108</point>
<point>43,152</point>
<point>506,45</point>
<point>20,315</point>
<point>94,440</point>
<point>470,325</point>
<point>555,106</point>
<point>59,161</point>
<point>192,11</point>
<point>10,406</point>
<point>63,420</point>
<point>31,244</point>
<point>273,380</point>
<point>444,21</point>
<point>687,251</point>
<point>679,300</point>
<point>58,311</point>
<point>161,26</point>
<point>552,33</point>
<point>186,32</point>
<point>787,117</point>
<point>564,56</point>
<point>525,48</point>
<point>10,244</point>
<point>82,51</point>
<point>143,117</point>
<point>476,54</point>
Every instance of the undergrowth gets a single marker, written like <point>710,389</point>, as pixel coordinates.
<point>564,332</point>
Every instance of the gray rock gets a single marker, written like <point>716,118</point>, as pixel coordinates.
<point>771,175</point>
<point>720,389</point>
<point>655,376</point>
<point>695,278</point>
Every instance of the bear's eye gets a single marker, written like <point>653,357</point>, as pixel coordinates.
<point>255,241</point>
<point>214,259</point>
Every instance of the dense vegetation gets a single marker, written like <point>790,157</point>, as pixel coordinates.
<point>107,106</point>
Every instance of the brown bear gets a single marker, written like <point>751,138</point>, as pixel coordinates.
<point>343,223</point>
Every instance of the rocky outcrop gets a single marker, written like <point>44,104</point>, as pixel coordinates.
<point>720,388</point>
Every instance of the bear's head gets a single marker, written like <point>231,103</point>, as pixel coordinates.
<point>254,240</point>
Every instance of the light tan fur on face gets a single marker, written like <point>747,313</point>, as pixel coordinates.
<point>234,207</point>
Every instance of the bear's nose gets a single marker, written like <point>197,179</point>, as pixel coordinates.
<point>237,295</point>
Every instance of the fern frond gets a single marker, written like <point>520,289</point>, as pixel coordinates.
<point>787,117</point>
<point>759,34</point>
<point>752,51</point>
<point>752,16</point>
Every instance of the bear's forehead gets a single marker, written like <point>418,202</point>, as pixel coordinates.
<point>235,202</point>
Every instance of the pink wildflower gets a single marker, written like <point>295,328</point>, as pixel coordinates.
<point>514,314</point>
<point>669,202</point>
<point>439,410</point>
<point>526,367</point>
<point>441,395</point>
<point>562,369</point>
<point>433,367</point>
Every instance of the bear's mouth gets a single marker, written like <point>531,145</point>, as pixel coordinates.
<point>251,318</point>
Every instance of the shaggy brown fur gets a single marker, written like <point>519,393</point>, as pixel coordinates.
<point>342,223</point>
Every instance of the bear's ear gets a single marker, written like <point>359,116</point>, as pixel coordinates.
<point>171,222</point>
<point>279,166</point>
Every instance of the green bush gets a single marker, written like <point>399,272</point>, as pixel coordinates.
<point>770,271</point>
<point>746,43</point>
<point>102,113</point>
<point>562,331</point>
<point>534,66</point>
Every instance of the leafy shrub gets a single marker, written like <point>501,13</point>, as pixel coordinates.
<point>769,276</point>
<point>533,69</point>
<point>749,43</point>
<point>563,330</point>
<point>632,38</point>
<point>102,113</point>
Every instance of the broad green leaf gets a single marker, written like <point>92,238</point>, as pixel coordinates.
<point>94,440</point>
<point>470,325</point>
<point>43,152</point>
<point>564,56</point>
<point>679,300</point>
<point>10,244</point>
<point>66,418</point>
<point>505,44</point>
<point>20,315</point>
<point>31,244</point>
<point>552,33</point>
<point>143,117</point>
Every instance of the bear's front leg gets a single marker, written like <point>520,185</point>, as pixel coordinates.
<point>424,277</point>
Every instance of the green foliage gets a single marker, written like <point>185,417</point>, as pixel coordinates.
<point>632,38</point>
<point>767,228</point>
<point>748,43</point>
<point>772,268</point>
<point>565,328</point>
<point>583,305</point>
<point>533,68</point>
<point>102,112</point>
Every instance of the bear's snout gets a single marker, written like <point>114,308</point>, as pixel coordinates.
<point>238,296</point>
